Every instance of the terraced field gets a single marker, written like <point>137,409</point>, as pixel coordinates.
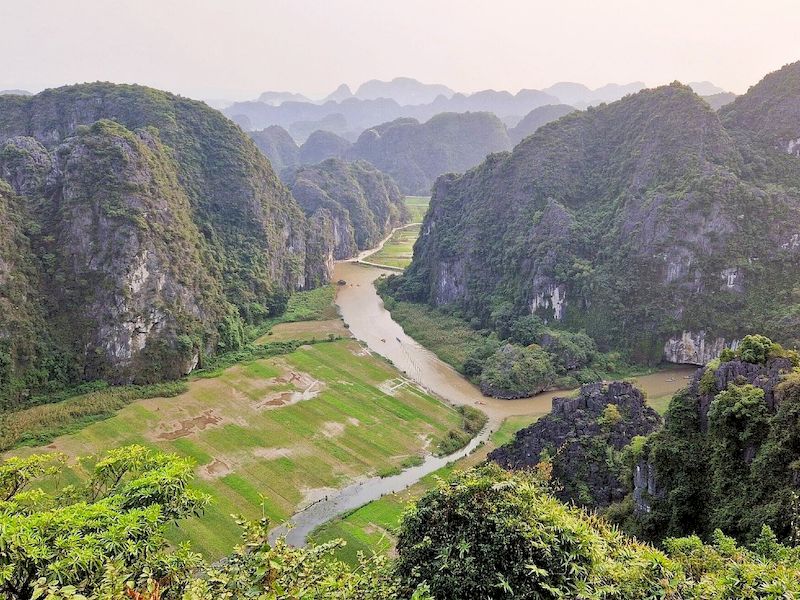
<point>275,434</point>
<point>417,206</point>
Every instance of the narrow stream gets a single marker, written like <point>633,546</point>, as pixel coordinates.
<point>362,309</point>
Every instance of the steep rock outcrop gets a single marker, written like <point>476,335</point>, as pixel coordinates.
<point>359,204</point>
<point>635,221</point>
<point>157,228</point>
<point>577,437</point>
<point>692,348</point>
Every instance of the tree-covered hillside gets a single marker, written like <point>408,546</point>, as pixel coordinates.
<point>358,204</point>
<point>729,454</point>
<point>648,223</point>
<point>156,230</point>
<point>416,153</point>
<point>537,118</point>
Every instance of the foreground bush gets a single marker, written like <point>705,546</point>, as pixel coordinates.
<point>488,533</point>
<point>104,540</point>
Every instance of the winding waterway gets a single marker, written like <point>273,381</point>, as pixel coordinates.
<point>362,309</point>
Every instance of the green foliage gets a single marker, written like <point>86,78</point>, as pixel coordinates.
<point>754,349</point>
<point>488,533</point>
<point>757,350</point>
<point>115,521</point>
<point>105,540</point>
<point>734,468</point>
<point>610,417</point>
<point>516,372</point>
<point>472,422</point>
<point>258,569</point>
<point>527,330</point>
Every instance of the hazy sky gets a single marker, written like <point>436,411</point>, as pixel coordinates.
<point>238,48</point>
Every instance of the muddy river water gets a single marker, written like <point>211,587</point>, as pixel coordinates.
<point>362,309</point>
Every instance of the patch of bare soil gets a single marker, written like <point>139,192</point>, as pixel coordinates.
<point>192,425</point>
<point>308,388</point>
<point>215,469</point>
<point>274,453</point>
<point>332,429</point>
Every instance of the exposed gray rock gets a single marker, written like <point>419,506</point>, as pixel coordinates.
<point>576,435</point>
<point>693,348</point>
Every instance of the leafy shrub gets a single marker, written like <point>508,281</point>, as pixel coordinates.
<point>527,330</point>
<point>516,372</point>
<point>488,533</point>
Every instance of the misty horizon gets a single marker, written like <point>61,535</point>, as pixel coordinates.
<point>241,49</point>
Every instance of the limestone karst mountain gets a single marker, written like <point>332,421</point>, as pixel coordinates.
<point>356,203</point>
<point>143,231</point>
<point>416,153</point>
<point>531,122</point>
<point>659,227</point>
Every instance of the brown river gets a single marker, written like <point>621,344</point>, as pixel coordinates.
<point>362,309</point>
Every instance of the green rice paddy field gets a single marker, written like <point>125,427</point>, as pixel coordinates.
<point>398,251</point>
<point>275,434</point>
<point>372,528</point>
<point>417,206</point>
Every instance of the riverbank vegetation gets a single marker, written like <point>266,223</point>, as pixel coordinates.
<point>519,357</point>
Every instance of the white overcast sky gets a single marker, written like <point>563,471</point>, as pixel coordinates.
<point>236,49</point>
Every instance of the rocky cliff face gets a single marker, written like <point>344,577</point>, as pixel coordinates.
<point>358,204</point>
<point>636,221</point>
<point>157,230</point>
<point>727,456</point>
<point>415,153</point>
<point>578,436</point>
<point>692,348</point>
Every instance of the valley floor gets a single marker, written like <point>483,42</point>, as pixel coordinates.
<point>278,433</point>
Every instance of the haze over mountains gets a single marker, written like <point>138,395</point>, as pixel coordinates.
<point>376,102</point>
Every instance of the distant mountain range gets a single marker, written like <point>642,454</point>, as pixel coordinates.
<point>348,114</point>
